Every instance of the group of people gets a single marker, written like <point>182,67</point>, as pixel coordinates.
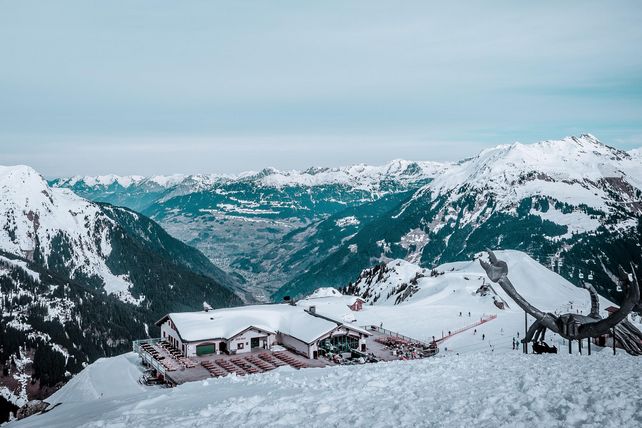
<point>405,350</point>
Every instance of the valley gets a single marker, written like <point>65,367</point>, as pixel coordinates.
<point>288,233</point>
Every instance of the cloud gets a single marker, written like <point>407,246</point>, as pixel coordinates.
<point>491,72</point>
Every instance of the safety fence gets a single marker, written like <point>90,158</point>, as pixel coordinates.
<point>484,319</point>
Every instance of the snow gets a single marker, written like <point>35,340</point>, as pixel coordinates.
<point>226,323</point>
<point>103,180</point>
<point>572,158</point>
<point>568,170</point>
<point>324,292</point>
<point>415,240</point>
<point>167,180</point>
<point>473,380</point>
<point>22,265</point>
<point>359,176</point>
<point>434,309</point>
<point>469,390</point>
<point>576,221</point>
<point>32,213</point>
<point>347,221</point>
<point>107,180</point>
<point>105,378</point>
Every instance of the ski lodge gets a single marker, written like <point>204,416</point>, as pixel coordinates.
<point>248,328</point>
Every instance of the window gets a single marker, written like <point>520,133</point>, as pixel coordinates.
<point>240,345</point>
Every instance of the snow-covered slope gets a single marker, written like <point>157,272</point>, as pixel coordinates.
<point>358,176</point>
<point>572,159</point>
<point>472,390</point>
<point>575,171</point>
<point>439,296</point>
<point>36,220</point>
<point>97,381</point>
<point>477,378</point>
<point>60,231</point>
<point>574,204</point>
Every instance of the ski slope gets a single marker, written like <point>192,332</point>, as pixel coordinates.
<point>513,390</point>
<point>434,309</point>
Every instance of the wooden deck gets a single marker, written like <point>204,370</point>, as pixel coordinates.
<point>257,361</point>
<point>178,369</point>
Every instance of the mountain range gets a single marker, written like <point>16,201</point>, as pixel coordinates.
<point>573,204</point>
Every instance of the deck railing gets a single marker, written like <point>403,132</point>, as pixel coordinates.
<point>394,334</point>
<point>146,356</point>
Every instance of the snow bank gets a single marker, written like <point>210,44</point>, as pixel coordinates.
<point>105,378</point>
<point>477,378</point>
<point>475,390</point>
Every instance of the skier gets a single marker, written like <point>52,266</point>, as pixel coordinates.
<point>474,331</point>
<point>459,313</point>
<point>468,314</point>
<point>483,336</point>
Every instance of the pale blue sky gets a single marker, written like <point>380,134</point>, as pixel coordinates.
<point>156,86</point>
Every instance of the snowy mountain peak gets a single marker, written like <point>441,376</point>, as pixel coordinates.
<point>21,176</point>
<point>36,221</point>
<point>583,160</point>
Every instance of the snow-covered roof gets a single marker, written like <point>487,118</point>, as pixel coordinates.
<point>226,323</point>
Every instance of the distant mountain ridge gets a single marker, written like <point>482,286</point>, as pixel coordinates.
<point>353,175</point>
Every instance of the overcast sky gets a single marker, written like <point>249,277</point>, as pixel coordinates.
<point>151,87</point>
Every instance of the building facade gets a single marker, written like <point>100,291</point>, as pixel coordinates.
<point>231,332</point>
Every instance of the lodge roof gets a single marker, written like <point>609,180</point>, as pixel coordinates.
<point>226,323</point>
